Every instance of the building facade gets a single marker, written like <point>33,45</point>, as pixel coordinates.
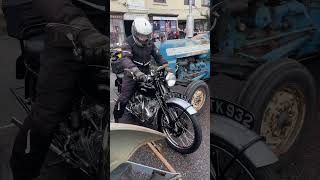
<point>165,16</point>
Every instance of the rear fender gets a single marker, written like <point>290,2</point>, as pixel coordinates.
<point>240,137</point>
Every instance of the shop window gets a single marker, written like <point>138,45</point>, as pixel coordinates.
<point>117,33</point>
<point>186,2</point>
<point>159,1</point>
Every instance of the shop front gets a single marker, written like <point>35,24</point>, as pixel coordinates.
<point>117,31</point>
<point>164,24</point>
<point>200,25</point>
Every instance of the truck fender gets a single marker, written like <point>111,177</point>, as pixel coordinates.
<point>242,139</point>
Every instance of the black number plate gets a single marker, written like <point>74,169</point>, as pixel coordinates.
<point>232,111</point>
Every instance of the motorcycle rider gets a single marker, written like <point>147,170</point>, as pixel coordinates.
<point>59,72</point>
<point>136,55</point>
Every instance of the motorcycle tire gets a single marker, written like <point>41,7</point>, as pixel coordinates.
<point>197,131</point>
<point>256,173</point>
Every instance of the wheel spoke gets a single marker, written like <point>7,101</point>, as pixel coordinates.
<point>182,141</point>
<point>186,130</point>
<point>187,139</point>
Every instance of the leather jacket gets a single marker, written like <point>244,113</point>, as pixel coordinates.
<point>136,56</point>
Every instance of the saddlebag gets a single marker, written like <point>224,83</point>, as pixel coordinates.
<point>21,18</point>
<point>117,67</point>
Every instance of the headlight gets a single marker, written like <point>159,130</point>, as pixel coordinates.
<point>171,79</point>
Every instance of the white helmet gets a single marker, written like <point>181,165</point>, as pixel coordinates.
<point>141,30</point>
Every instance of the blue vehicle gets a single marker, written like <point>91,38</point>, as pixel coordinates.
<point>260,47</point>
<point>190,59</point>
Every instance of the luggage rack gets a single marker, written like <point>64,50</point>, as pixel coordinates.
<point>19,95</point>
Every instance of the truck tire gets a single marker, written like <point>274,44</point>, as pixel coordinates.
<point>282,96</point>
<point>198,93</point>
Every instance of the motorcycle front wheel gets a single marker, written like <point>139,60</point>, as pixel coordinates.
<point>183,131</point>
<point>224,165</point>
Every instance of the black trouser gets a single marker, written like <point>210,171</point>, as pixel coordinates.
<point>56,87</point>
<point>128,88</point>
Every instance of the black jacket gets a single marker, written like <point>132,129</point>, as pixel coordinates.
<point>136,56</point>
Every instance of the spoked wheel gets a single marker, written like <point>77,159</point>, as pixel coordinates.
<point>224,165</point>
<point>183,133</point>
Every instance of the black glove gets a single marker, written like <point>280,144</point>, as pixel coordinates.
<point>140,76</point>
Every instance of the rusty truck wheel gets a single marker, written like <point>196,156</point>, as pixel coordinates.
<point>198,93</point>
<point>282,96</point>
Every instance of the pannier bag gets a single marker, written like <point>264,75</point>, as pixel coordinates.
<point>22,20</point>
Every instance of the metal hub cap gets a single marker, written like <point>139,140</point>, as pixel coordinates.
<point>283,118</point>
<point>198,99</point>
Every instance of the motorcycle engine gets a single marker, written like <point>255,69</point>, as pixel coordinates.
<point>143,107</point>
<point>82,136</point>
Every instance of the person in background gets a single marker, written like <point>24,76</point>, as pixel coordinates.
<point>170,35</point>
<point>155,37</point>
<point>162,37</point>
<point>177,35</point>
<point>182,34</point>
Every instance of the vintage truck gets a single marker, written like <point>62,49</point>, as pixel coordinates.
<point>190,60</point>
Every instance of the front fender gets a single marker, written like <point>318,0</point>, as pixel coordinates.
<point>184,104</point>
<point>239,137</point>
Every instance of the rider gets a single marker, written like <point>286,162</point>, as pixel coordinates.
<point>136,52</point>
<point>59,72</point>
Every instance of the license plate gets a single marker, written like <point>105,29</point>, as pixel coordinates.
<point>232,111</point>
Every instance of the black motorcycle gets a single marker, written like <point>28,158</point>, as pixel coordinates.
<point>154,105</point>
<point>79,138</point>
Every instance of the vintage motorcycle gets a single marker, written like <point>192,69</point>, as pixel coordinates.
<point>154,105</point>
<point>79,138</point>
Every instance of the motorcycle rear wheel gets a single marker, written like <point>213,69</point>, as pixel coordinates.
<point>171,134</point>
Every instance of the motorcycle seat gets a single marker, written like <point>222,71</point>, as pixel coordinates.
<point>34,45</point>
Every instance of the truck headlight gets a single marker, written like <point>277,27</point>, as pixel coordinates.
<point>171,79</point>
